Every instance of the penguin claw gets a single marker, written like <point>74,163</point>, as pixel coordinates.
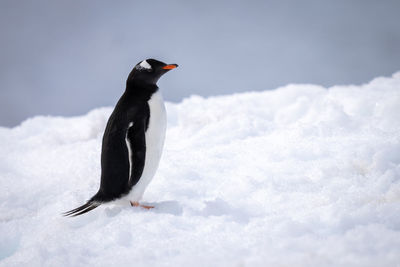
<point>136,204</point>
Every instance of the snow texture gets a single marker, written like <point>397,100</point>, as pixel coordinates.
<point>298,176</point>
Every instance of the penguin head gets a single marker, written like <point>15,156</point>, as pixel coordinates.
<point>149,71</point>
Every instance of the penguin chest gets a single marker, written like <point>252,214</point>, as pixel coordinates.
<point>155,135</point>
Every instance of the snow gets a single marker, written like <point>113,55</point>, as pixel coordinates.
<point>298,176</point>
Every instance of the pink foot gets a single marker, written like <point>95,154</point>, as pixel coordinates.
<point>136,204</point>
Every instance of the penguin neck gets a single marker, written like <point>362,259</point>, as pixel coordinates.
<point>141,89</point>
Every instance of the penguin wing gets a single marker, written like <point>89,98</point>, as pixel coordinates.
<point>136,144</point>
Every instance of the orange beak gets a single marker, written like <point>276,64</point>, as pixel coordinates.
<point>170,67</point>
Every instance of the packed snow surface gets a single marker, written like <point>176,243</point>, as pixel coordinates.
<point>298,176</point>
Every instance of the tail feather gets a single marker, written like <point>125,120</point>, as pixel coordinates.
<point>90,205</point>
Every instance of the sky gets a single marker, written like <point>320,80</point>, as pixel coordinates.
<point>64,58</point>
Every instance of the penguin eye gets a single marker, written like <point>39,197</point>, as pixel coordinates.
<point>144,66</point>
<point>140,68</point>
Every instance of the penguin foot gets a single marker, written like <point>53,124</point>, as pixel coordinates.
<point>147,207</point>
<point>136,204</point>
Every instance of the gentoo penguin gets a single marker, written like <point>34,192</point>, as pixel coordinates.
<point>133,139</point>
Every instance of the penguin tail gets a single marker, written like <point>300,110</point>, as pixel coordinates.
<point>90,205</point>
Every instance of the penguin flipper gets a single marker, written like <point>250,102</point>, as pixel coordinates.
<point>137,148</point>
<point>90,205</point>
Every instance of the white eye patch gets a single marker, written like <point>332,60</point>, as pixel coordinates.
<point>145,65</point>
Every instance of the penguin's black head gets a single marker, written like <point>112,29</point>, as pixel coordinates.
<point>149,71</point>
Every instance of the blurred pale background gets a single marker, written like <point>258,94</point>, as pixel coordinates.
<point>68,57</point>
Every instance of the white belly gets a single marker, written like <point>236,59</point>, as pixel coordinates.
<point>155,136</point>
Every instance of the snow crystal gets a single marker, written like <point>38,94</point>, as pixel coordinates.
<point>298,176</point>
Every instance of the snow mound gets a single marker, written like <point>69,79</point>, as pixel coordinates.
<point>298,176</point>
